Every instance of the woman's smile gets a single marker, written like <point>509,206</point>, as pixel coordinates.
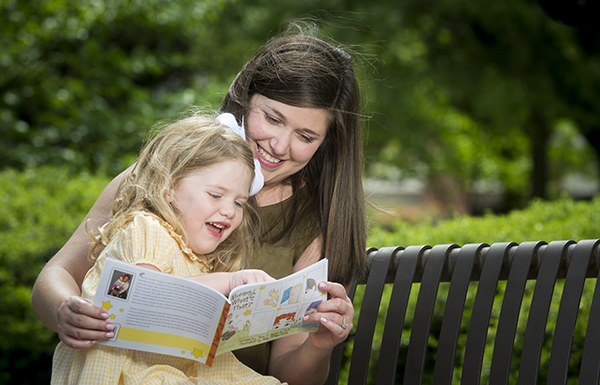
<point>267,159</point>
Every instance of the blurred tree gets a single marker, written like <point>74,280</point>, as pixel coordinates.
<point>460,91</point>
<point>501,66</point>
<point>464,92</point>
<point>81,82</point>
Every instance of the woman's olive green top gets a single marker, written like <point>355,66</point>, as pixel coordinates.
<point>278,260</point>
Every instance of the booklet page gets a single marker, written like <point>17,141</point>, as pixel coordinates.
<point>267,311</point>
<point>158,312</point>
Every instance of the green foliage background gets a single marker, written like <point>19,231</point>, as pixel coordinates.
<point>452,88</point>
<point>469,90</point>
<point>40,208</point>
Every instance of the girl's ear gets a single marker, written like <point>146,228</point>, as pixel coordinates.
<point>169,196</point>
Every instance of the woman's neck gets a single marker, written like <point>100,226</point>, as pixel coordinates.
<point>270,195</point>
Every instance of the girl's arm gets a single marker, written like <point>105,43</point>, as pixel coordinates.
<point>56,295</point>
<point>225,282</point>
<point>304,358</point>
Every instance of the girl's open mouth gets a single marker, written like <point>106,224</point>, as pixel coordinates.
<point>216,228</point>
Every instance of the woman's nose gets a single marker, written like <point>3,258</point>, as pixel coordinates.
<point>281,142</point>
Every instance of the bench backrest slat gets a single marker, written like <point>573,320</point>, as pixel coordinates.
<point>359,368</point>
<point>417,348</point>
<point>509,315</point>
<point>453,313</point>
<point>538,311</point>
<point>567,315</point>
<point>394,324</point>
<point>482,310</point>
<point>590,360</point>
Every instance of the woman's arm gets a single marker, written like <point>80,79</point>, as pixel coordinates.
<point>57,290</point>
<point>304,358</point>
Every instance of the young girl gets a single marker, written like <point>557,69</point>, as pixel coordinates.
<point>176,213</point>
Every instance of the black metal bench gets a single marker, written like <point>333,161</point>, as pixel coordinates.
<point>507,265</point>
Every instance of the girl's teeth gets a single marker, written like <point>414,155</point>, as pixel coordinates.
<point>268,157</point>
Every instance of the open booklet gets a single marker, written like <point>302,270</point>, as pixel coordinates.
<point>166,314</point>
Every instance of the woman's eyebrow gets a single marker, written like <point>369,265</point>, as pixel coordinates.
<point>276,112</point>
<point>309,131</point>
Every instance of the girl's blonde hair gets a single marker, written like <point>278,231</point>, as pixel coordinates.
<point>179,148</point>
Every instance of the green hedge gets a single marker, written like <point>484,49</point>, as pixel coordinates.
<point>39,210</point>
<point>559,220</point>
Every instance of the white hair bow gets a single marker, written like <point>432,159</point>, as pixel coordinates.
<point>230,121</point>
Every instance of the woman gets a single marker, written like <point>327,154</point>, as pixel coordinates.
<point>299,100</point>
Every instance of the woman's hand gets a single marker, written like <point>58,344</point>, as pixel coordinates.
<point>81,324</point>
<point>335,315</point>
<point>304,358</point>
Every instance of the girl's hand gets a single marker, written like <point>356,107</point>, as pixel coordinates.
<point>243,277</point>
<point>81,324</point>
<point>335,315</point>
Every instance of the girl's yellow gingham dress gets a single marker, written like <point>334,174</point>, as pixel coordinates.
<point>146,240</point>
